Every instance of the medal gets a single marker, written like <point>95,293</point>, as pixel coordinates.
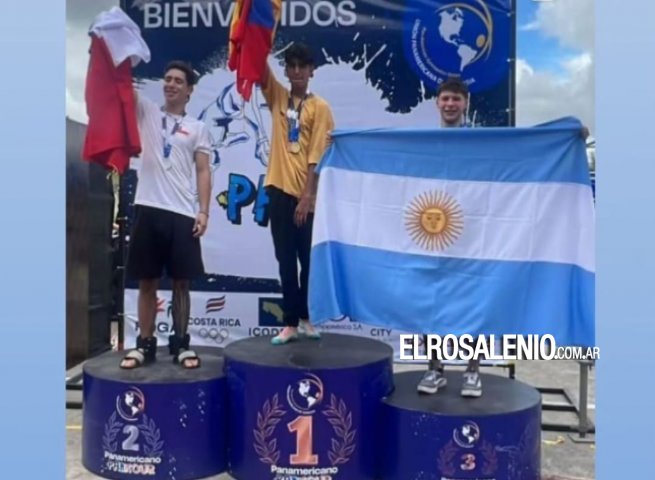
<point>293,124</point>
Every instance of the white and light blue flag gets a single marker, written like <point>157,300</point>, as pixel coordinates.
<point>478,231</point>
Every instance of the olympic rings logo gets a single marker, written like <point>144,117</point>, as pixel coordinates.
<point>218,335</point>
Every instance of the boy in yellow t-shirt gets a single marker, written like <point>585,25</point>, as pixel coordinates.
<point>300,122</point>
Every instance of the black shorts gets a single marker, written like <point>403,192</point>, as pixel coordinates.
<point>163,240</point>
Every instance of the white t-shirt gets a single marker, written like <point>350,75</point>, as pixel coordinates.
<point>169,183</point>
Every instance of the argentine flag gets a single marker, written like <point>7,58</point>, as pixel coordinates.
<point>478,231</point>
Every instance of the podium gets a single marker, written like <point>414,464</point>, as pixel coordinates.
<point>328,409</point>
<point>307,409</point>
<point>160,421</point>
<point>447,437</point>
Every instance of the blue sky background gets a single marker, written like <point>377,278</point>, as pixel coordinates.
<point>543,52</point>
<point>555,60</point>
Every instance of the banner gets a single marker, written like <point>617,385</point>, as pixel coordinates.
<point>219,318</point>
<point>376,65</point>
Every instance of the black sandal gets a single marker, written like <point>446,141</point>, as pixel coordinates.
<point>182,354</point>
<point>146,349</point>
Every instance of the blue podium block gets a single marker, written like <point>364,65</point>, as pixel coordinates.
<point>447,437</point>
<point>308,409</point>
<point>159,421</point>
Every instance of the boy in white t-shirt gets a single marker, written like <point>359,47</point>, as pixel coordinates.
<point>167,228</point>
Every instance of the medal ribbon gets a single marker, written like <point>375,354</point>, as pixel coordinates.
<point>293,119</point>
<point>166,136</point>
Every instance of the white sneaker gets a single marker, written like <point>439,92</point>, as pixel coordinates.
<point>472,385</point>
<point>431,382</point>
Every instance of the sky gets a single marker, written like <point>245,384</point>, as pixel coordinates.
<point>555,58</point>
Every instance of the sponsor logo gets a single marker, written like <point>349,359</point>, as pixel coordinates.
<point>270,312</point>
<point>215,304</point>
<point>341,323</point>
<point>380,332</point>
<point>270,318</point>
<point>217,335</point>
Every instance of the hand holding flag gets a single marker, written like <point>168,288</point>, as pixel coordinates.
<point>251,36</point>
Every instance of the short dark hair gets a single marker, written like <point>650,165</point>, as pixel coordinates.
<point>299,53</point>
<point>184,67</point>
<point>453,85</point>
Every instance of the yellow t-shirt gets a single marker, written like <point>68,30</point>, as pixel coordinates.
<point>288,171</point>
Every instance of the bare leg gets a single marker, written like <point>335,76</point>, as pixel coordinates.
<point>181,314</point>
<point>147,307</point>
<point>181,307</point>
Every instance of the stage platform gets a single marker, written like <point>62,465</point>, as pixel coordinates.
<point>561,458</point>
<point>159,421</point>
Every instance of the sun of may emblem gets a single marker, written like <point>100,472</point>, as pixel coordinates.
<point>434,220</point>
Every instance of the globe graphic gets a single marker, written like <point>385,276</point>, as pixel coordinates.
<point>456,38</point>
<point>305,395</point>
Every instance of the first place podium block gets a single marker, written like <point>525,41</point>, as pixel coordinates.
<point>308,409</point>
<point>160,421</point>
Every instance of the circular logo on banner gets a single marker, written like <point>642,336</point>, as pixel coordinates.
<point>467,435</point>
<point>305,395</point>
<point>131,404</point>
<point>463,39</point>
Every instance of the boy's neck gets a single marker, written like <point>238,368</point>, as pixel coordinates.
<point>455,124</point>
<point>174,109</point>
<point>299,92</point>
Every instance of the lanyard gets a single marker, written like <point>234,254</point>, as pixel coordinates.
<point>166,135</point>
<point>293,118</point>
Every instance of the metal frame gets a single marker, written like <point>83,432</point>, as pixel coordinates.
<point>121,220</point>
<point>577,432</point>
<point>511,114</point>
<point>74,384</point>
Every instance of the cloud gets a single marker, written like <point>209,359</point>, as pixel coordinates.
<point>79,16</point>
<point>529,27</point>
<point>569,21</point>
<point>543,96</point>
